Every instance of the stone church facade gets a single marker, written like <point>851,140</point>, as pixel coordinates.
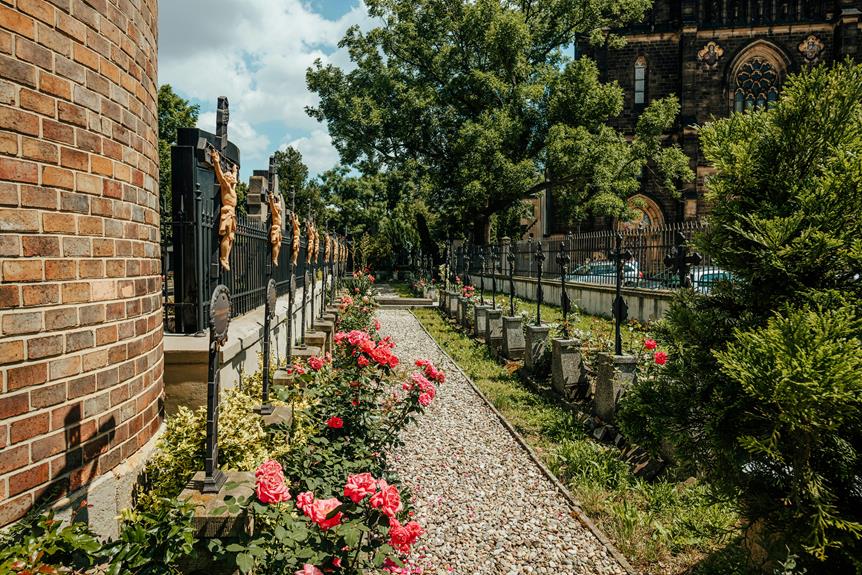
<point>717,57</point>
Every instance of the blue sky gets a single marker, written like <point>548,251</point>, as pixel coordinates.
<point>256,52</point>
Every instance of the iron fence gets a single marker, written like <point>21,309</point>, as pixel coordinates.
<point>591,262</point>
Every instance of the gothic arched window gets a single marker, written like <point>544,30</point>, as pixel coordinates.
<point>640,81</point>
<point>757,84</point>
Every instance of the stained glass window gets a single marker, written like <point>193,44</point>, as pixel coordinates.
<point>756,86</point>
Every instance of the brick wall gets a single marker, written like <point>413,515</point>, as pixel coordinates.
<point>80,307</point>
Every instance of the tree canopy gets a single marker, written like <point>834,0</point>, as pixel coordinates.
<point>477,105</point>
<point>174,112</point>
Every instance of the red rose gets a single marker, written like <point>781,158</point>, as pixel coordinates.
<point>387,499</point>
<point>650,344</point>
<point>309,569</point>
<point>321,508</point>
<point>315,363</point>
<point>362,361</point>
<point>335,422</point>
<point>304,500</point>
<point>402,537</point>
<point>359,486</point>
<point>661,357</point>
<point>270,485</point>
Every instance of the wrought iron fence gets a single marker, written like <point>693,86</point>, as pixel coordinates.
<point>649,266</point>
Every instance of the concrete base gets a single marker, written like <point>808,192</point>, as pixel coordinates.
<point>513,338</point>
<point>463,310</point>
<point>494,327</point>
<point>566,366</point>
<point>480,318</point>
<point>431,293</point>
<point>453,305</point>
<point>209,524</point>
<point>328,329</point>
<point>615,373</point>
<point>316,339</point>
<point>304,352</point>
<point>536,342</point>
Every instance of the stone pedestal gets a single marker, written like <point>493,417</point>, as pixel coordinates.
<point>207,523</point>
<point>453,305</point>
<point>566,366</point>
<point>305,351</point>
<point>462,309</point>
<point>536,342</point>
<point>431,293</point>
<point>494,327</point>
<point>614,374</point>
<point>480,318</point>
<point>281,415</point>
<point>316,339</point>
<point>328,329</point>
<point>513,338</point>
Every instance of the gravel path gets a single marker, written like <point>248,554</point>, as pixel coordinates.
<point>486,506</point>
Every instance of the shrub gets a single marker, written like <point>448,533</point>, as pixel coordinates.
<point>761,393</point>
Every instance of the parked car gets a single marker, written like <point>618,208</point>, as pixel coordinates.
<point>605,272</point>
<point>703,278</point>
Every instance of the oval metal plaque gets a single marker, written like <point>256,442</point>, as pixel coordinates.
<point>271,295</point>
<point>220,314</point>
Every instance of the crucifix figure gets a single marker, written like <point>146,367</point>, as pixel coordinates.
<point>680,260</point>
<point>620,308</point>
<point>563,260</point>
<point>227,215</point>
<point>540,262</point>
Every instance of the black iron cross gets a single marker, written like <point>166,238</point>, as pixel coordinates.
<point>222,119</point>
<point>482,275</point>
<point>219,320</point>
<point>291,288</point>
<point>266,407</point>
<point>494,256</point>
<point>620,308</point>
<point>680,260</point>
<point>563,260</point>
<point>467,260</point>
<point>511,259</point>
<point>540,296</point>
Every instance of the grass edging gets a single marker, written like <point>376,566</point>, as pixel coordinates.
<point>582,517</point>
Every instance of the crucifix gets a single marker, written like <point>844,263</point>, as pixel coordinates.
<point>482,275</point>
<point>540,262</point>
<point>510,256</point>
<point>219,321</point>
<point>327,254</point>
<point>291,273</point>
<point>680,260</point>
<point>467,261</point>
<point>620,308</point>
<point>563,260</point>
<point>446,260</point>
<point>493,254</point>
<point>308,251</point>
<point>270,197</point>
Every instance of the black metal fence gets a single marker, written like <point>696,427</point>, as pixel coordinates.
<point>648,265</point>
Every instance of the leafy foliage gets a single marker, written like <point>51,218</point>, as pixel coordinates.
<point>760,393</point>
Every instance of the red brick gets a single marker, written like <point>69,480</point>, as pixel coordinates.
<point>42,347</point>
<point>17,71</point>
<point>71,114</point>
<point>11,352</point>
<point>48,396</point>
<point>74,159</point>
<point>36,102</point>
<point>18,171</point>
<point>17,121</point>
<point>56,319</point>
<point>22,270</point>
<point>48,446</point>
<point>8,143</point>
<point>65,367</point>
<point>40,294</point>
<point>9,194</point>
<point>12,405</point>
<point>30,427</point>
<point>34,53</point>
<point>75,203</point>
<point>15,509</point>
<point>15,458</point>
<point>71,26</point>
<point>76,292</point>
<point>28,479</point>
<point>91,226</point>
<point>53,40</point>
<point>38,197</point>
<point>82,386</point>
<point>45,246</point>
<point>89,141</point>
<point>88,184</point>
<point>19,220</point>
<point>85,56</point>
<point>58,132</point>
<point>58,178</point>
<point>39,150</point>
<point>91,314</point>
<point>15,21</point>
<point>9,297</point>
<point>10,245</point>
<point>54,85</point>
<point>21,323</point>
<point>25,376</point>
<point>59,223</point>
<point>103,166</point>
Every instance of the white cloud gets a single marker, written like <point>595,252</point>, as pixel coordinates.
<point>256,53</point>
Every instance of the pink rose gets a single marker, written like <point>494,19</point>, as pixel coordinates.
<point>270,486</point>
<point>336,561</point>
<point>362,361</point>
<point>321,508</point>
<point>335,422</point>
<point>387,499</point>
<point>304,500</point>
<point>650,344</point>
<point>376,325</point>
<point>359,486</point>
<point>309,569</point>
<point>402,537</point>
<point>315,363</point>
<point>661,357</point>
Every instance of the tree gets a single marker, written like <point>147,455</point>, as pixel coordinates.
<point>476,103</point>
<point>293,176</point>
<point>762,393</point>
<point>174,112</point>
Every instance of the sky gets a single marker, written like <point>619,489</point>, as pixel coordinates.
<point>256,53</point>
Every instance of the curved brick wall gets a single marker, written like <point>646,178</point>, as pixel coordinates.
<point>80,306</point>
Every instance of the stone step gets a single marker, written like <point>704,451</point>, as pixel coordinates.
<point>404,302</point>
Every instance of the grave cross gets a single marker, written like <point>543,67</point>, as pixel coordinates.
<point>467,261</point>
<point>620,308</point>
<point>269,313</point>
<point>494,259</point>
<point>291,274</point>
<point>563,260</point>
<point>482,275</point>
<point>540,262</point>
<point>680,260</point>
<point>510,256</point>
<point>219,321</point>
<point>222,119</point>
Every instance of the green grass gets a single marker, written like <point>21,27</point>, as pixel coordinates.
<point>662,527</point>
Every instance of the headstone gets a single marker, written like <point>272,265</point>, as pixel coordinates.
<point>494,327</point>
<point>536,343</point>
<point>615,373</point>
<point>463,309</point>
<point>513,338</point>
<point>480,316</point>
<point>453,305</point>
<point>566,366</point>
